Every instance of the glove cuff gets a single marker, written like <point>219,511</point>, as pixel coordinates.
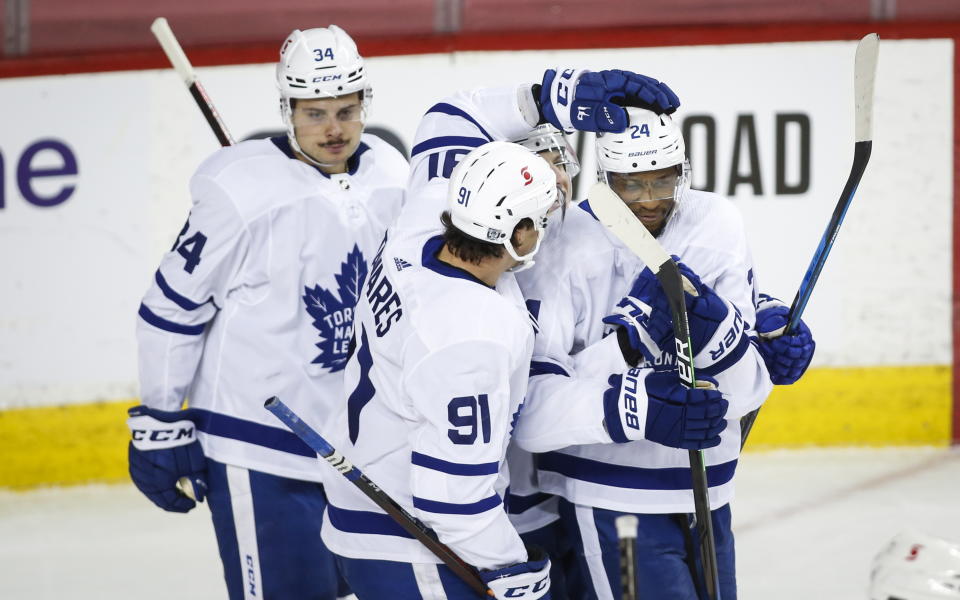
<point>625,407</point>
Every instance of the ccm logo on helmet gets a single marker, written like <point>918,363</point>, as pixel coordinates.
<point>528,178</point>
<point>327,78</point>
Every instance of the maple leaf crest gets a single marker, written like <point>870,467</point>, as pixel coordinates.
<point>332,315</point>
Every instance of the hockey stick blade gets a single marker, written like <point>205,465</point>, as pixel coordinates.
<point>181,64</point>
<point>864,74</point>
<point>411,524</point>
<point>615,216</point>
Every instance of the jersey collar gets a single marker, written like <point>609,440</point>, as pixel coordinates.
<point>353,163</point>
<point>430,250</point>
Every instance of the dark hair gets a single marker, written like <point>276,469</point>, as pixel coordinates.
<point>470,249</point>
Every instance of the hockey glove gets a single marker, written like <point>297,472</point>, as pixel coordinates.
<point>527,581</point>
<point>716,326</point>
<point>671,414</point>
<point>573,99</point>
<point>164,449</point>
<point>786,356</point>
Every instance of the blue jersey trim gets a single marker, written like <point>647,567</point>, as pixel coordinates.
<point>449,109</point>
<point>538,367</point>
<point>362,521</point>
<point>450,508</point>
<point>172,295</point>
<point>729,360</point>
<point>160,323</point>
<point>430,250</point>
<point>429,462</point>
<point>213,423</point>
<point>520,504</point>
<point>282,142</point>
<point>635,478</point>
<point>447,140</point>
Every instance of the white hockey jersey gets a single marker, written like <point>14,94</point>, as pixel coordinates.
<point>257,296</point>
<point>578,281</point>
<point>435,384</point>
<point>448,131</point>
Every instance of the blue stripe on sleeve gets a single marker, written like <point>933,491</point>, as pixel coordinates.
<point>449,109</point>
<point>447,140</point>
<point>213,423</point>
<point>520,504</point>
<point>147,315</point>
<point>635,478</point>
<point>171,294</point>
<point>362,521</point>
<point>729,360</point>
<point>429,462</point>
<point>538,367</point>
<point>450,508</point>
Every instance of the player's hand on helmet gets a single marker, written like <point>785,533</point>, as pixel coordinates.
<point>164,449</point>
<point>787,356</point>
<point>526,581</point>
<point>716,326</point>
<point>575,99</point>
<point>644,404</point>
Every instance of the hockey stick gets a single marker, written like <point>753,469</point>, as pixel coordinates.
<point>614,214</point>
<point>864,72</point>
<point>411,524</point>
<point>181,64</point>
<point>627,538</point>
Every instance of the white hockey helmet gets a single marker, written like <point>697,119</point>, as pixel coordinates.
<point>547,138</point>
<point>496,186</point>
<point>916,566</point>
<point>320,63</point>
<point>650,142</point>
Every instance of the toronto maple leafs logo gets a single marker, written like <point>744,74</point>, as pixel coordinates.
<point>333,316</point>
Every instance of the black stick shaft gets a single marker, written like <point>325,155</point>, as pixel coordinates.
<point>410,524</point>
<point>670,279</point>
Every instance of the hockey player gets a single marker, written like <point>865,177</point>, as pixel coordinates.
<point>646,472</point>
<point>256,298</point>
<point>438,378</point>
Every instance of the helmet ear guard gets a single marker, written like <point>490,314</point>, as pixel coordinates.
<point>494,188</point>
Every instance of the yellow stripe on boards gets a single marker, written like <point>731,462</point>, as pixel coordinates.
<point>874,406</point>
<point>871,406</point>
<point>64,445</point>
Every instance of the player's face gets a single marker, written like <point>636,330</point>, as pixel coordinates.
<point>328,129</point>
<point>649,195</point>
<point>555,160</point>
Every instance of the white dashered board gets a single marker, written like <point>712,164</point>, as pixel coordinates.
<point>71,276</point>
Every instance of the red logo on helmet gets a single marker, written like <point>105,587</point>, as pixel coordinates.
<point>528,178</point>
<point>914,551</point>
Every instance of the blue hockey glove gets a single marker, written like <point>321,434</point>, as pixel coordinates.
<point>572,99</point>
<point>164,449</point>
<point>786,356</point>
<point>672,415</point>
<point>527,581</point>
<point>716,326</point>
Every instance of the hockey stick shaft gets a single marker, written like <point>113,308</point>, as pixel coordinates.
<point>411,524</point>
<point>614,214</point>
<point>181,64</point>
<point>864,73</point>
